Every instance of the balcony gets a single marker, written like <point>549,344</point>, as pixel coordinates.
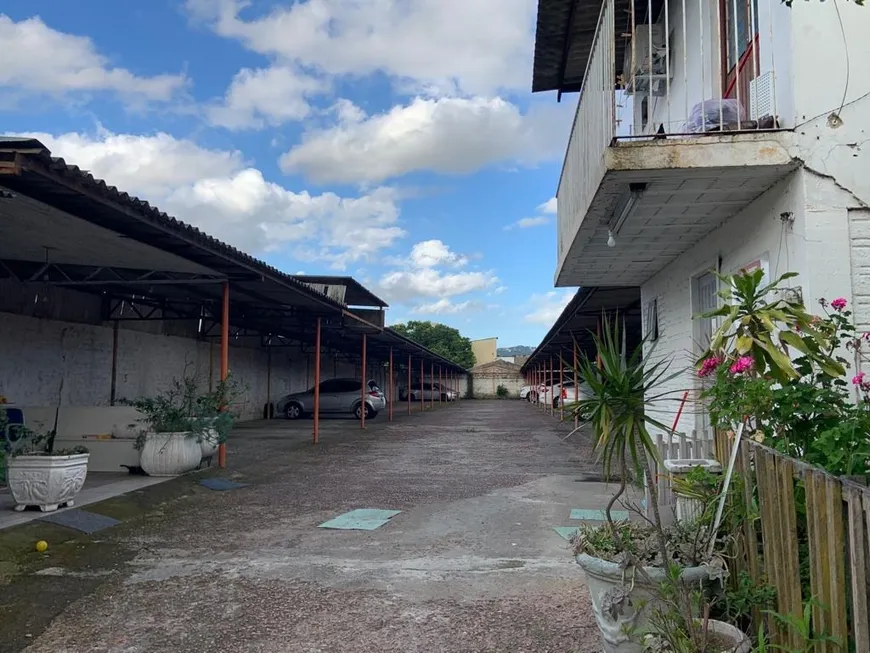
<point>670,138</point>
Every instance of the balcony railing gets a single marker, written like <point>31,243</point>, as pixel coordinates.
<point>698,68</point>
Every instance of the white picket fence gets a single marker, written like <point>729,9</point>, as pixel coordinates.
<point>679,446</point>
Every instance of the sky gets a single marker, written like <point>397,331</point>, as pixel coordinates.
<point>395,141</point>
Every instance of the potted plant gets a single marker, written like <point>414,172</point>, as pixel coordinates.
<point>626,562</point>
<point>174,427</point>
<point>215,409</point>
<point>39,475</point>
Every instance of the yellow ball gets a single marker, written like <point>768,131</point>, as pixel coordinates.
<point>41,546</point>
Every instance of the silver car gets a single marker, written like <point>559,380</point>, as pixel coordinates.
<point>337,396</point>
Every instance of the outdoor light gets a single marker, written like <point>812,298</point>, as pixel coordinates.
<point>621,214</point>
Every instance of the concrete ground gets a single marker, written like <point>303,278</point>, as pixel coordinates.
<point>471,564</point>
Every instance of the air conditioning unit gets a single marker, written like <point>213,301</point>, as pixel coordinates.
<point>646,67</point>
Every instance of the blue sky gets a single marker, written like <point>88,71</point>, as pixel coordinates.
<point>392,140</point>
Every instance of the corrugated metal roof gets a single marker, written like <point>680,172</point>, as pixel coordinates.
<point>564,36</point>
<point>579,320</point>
<point>67,187</point>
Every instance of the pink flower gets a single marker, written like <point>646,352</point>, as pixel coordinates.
<point>866,336</point>
<point>858,379</point>
<point>709,366</point>
<point>741,365</point>
<point>838,304</point>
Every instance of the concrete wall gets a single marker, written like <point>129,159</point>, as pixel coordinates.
<point>487,378</point>
<point>825,239</point>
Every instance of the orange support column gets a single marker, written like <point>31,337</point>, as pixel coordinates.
<point>364,388</point>
<point>408,389</point>
<point>422,397</point>
<point>390,389</point>
<point>316,438</point>
<point>552,383</point>
<point>225,358</point>
<point>561,385</point>
<point>576,384</point>
<point>440,384</point>
<point>432,385</point>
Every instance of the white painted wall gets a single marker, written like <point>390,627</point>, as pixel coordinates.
<point>37,353</point>
<point>809,246</point>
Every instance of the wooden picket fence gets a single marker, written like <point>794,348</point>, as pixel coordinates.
<point>837,527</point>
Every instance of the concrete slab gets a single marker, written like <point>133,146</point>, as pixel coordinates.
<point>99,486</point>
<point>472,565</point>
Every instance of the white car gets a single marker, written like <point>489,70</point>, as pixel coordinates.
<point>565,395</point>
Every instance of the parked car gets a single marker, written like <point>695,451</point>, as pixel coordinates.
<point>429,392</point>
<point>564,394</point>
<point>337,396</point>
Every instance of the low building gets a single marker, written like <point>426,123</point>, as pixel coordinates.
<point>487,378</point>
<point>485,350</point>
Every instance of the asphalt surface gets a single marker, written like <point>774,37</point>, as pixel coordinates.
<point>471,564</point>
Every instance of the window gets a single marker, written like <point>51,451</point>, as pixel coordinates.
<point>738,41</point>
<point>348,385</point>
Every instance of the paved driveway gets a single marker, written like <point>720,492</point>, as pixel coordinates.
<point>471,563</point>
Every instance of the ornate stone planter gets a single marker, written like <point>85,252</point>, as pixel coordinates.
<point>46,481</point>
<point>622,607</point>
<point>169,454</point>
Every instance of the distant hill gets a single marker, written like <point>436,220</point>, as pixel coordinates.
<point>518,350</point>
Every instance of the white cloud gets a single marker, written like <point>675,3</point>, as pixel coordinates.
<point>525,223</point>
<point>407,285</point>
<point>442,46</point>
<point>549,207</point>
<point>434,253</point>
<point>265,97</point>
<point>499,290</point>
<point>216,191</point>
<point>444,307</point>
<point>546,308</point>
<point>445,135</point>
<point>39,59</point>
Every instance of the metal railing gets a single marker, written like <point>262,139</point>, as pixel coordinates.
<point>592,132</point>
<point>698,67</point>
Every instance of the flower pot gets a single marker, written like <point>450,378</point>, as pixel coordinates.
<point>729,638</point>
<point>622,603</point>
<point>208,443</point>
<point>46,481</point>
<point>169,454</point>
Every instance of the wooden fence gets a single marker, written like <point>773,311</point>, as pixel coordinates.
<point>832,538</point>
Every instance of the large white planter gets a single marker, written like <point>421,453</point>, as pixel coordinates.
<point>169,454</point>
<point>622,603</point>
<point>46,481</point>
<point>208,443</point>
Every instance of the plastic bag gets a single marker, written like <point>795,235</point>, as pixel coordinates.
<point>713,115</point>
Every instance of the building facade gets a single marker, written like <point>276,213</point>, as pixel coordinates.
<point>709,136</point>
<point>485,350</point>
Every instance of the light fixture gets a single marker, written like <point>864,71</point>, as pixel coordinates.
<point>622,213</point>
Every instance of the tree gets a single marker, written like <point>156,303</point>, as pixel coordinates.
<point>440,339</point>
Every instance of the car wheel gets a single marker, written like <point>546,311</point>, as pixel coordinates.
<point>369,411</point>
<point>293,411</point>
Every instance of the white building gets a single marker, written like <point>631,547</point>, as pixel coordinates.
<point>651,197</point>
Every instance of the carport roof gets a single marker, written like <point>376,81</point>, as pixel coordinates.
<point>356,295</point>
<point>186,264</point>
<point>580,319</point>
<point>565,34</point>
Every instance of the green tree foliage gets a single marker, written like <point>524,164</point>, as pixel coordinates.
<point>439,338</point>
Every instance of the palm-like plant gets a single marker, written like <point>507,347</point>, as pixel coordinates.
<point>622,388</point>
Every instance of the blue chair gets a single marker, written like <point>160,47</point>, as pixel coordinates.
<point>13,434</point>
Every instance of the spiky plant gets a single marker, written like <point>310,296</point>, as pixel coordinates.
<point>623,387</point>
